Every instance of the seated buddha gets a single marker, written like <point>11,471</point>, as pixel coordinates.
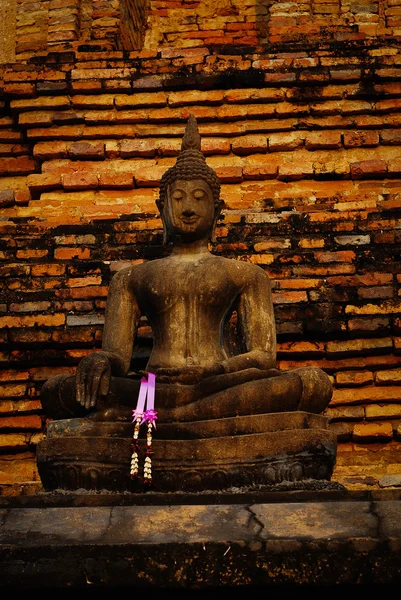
<point>187,298</point>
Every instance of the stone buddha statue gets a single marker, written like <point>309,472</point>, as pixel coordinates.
<point>226,417</point>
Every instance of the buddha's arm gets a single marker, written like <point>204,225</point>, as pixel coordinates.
<point>256,325</point>
<point>121,319</point>
<point>122,316</point>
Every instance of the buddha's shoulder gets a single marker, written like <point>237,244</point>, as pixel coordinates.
<point>241,269</point>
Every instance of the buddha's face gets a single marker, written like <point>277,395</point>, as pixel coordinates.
<point>190,210</point>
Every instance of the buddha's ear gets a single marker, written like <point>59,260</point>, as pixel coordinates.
<point>165,232</point>
<point>217,213</point>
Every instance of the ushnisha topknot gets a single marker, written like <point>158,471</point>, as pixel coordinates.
<point>191,164</point>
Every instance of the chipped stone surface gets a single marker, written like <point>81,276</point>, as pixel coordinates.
<point>201,546</point>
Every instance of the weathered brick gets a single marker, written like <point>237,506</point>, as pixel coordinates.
<point>359,346</point>
<point>53,320</point>
<point>149,177</point>
<point>249,144</point>
<point>229,174</point>
<point>376,292</point>
<point>238,96</point>
<point>368,324</point>
<point>43,182</point>
<point>352,240</point>
<point>323,140</point>
<point>354,139</point>
<point>368,168</point>
<point>70,253</point>
<point>80,181</point>
<point>21,165</point>
<point>285,141</point>
<point>301,169</point>
<point>87,151</point>
<point>50,150</point>
<point>28,254</point>
<point>368,279</point>
<point>47,270</point>
<point>390,376</point>
<point>365,395</point>
<point>133,148</point>
<point>339,256</point>
<point>272,243</point>
<point>117,181</point>
<point>12,390</point>
<point>289,297</point>
<point>354,378</point>
<point>369,432</point>
<point>43,102</point>
<point>83,281</point>
<point>345,413</point>
<point>386,307</point>
<point>7,198</point>
<point>23,422</point>
<point>29,306</point>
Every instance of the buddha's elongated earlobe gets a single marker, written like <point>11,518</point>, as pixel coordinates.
<point>161,208</point>
<point>217,214</point>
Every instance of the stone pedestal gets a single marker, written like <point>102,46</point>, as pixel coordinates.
<point>239,452</point>
<point>203,542</point>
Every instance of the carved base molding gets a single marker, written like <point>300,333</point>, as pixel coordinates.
<point>75,456</point>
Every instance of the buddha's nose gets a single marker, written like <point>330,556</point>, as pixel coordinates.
<point>188,212</point>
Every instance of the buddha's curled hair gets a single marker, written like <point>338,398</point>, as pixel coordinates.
<point>190,164</point>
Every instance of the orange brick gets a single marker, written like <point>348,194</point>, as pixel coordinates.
<point>354,139</point>
<point>46,270</point>
<point>25,422</point>
<point>365,395</point>
<point>50,150</point>
<point>299,169</point>
<point>83,281</point>
<point>285,141</point>
<point>323,140</point>
<point>266,170</point>
<point>354,378</point>
<point>33,320</point>
<point>70,253</point>
<point>116,180</point>
<point>249,144</point>
<point>289,297</point>
<point>80,181</point>
<point>26,254</point>
<point>229,174</point>
<point>86,151</point>
<point>43,182</point>
<point>340,256</point>
<point>132,148</point>
<point>372,432</point>
<point>368,168</point>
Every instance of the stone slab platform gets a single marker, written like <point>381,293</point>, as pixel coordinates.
<point>311,538</point>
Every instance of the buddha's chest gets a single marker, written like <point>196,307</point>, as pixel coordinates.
<point>198,287</point>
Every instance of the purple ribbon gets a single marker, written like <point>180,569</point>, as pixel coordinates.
<point>146,401</point>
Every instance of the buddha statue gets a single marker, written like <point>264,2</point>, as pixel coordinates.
<point>226,417</point>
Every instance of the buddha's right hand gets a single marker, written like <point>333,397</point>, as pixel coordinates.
<point>92,379</point>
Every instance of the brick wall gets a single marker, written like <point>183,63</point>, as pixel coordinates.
<point>195,23</point>
<point>306,142</point>
<point>60,25</point>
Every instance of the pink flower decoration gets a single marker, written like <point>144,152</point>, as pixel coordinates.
<point>136,414</point>
<point>149,416</point>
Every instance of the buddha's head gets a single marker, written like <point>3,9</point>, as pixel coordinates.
<point>189,199</point>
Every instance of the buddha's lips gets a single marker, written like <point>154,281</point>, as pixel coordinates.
<point>190,220</point>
